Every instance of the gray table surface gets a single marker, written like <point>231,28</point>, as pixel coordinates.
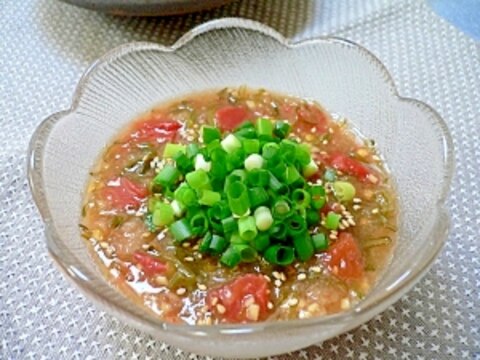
<point>45,46</point>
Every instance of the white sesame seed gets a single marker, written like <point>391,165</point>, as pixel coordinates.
<point>304,314</point>
<point>103,244</point>
<point>345,304</point>
<point>276,274</point>
<point>270,305</point>
<point>375,211</point>
<point>345,223</point>
<point>186,244</point>
<point>301,276</point>
<point>181,291</point>
<point>292,302</point>
<point>253,311</point>
<point>214,301</point>
<point>161,280</point>
<point>352,222</point>
<point>333,236</point>
<point>357,200</point>
<point>202,287</point>
<point>221,309</point>
<point>356,207</point>
<point>188,258</point>
<point>277,283</point>
<point>267,278</point>
<point>316,269</point>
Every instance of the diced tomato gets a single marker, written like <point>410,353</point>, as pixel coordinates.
<point>349,166</point>
<point>234,298</point>
<point>157,129</point>
<point>229,117</point>
<point>309,117</point>
<point>122,192</point>
<point>150,265</point>
<point>344,258</point>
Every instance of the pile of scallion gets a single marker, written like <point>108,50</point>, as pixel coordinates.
<point>243,195</point>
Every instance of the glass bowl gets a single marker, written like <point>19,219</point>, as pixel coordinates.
<point>342,76</point>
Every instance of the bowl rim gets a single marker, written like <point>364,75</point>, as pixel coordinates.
<point>394,291</point>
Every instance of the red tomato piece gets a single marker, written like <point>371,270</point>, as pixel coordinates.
<point>229,117</point>
<point>234,298</point>
<point>157,129</point>
<point>122,192</point>
<point>344,258</point>
<point>150,265</point>
<point>349,166</point>
<point>309,117</point>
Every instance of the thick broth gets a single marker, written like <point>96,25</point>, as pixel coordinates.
<point>113,217</point>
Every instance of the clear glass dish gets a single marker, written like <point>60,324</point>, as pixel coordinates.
<point>345,78</point>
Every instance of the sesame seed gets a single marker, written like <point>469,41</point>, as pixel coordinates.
<point>221,309</point>
<point>375,211</point>
<point>292,302</point>
<point>267,278</point>
<point>325,142</point>
<point>202,287</point>
<point>372,178</point>
<point>345,304</point>
<point>186,244</point>
<point>103,244</point>
<point>345,223</point>
<point>304,314</point>
<point>341,227</point>
<point>313,130</point>
<point>301,276</point>
<point>250,300</point>
<point>188,258</point>
<point>316,269</point>
<point>214,301</point>
<point>276,274</point>
<point>161,280</point>
<point>195,247</point>
<point>356,207</point>
<point>181,291</point>
<point>198,255</point>
<point>352,222</point>
<point>270,305</point>
<point>335,232</point>
<point>333,236</point>
<point>253,311</point>
<point>277,283</point>
<point>357,200</point>
<point>375,158</point>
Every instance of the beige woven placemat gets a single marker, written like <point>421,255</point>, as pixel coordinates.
<point>45,46</point>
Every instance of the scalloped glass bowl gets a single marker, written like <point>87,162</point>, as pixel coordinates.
<point>342,76</point>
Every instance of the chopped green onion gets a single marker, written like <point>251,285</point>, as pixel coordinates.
<point>344,191</point>
<point>185,195</point>
<point>214,145</point>
<point>277,186</point>
<point>178,208</point>
<point>192,150</point>
<point>201,164</point>
<point>258,177</point>
<point>168,176</point>
<point>282,129</point>
<point>278,230</point>
<point>217,244</point>
<point>247,253</point>
<point>279,255</point>
<point>210,133</point>
<point>303,246</point>
<point>271,151</point>
<point>318,196</point>
<point>281,209</point>
<point>258,196</point>
<point>236,159</point>
<point>332,220</point>
<point>231,257</point>
<point>291,175</point>
<point>230,143</point>
<point>247,228</point>
<point>313,217</point>
<point>287,149</point>
<point>198,179</point>
<point>261,242</point>
<point>264,127</point>
<point>301,198</point>
<point>302,154</point>
<point>204,245</point>
<point>320,241</point>
<point>236,239</point>
<point>184,164</point>
<point>229,225</point>
<point>237,196</point>
<point>170,150</point>
<point>180,230</point>
<point>199,224</point>
<point>263,218</point>
<point>246,133</point>
<point>208,197</point>
<point>253,161</point>
<point>219,158</point>
<point>251,146</point>
<point>163,215</point>
<point>296,225</point>
<point>310,169</point>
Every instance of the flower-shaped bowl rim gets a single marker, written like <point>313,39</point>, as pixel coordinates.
<point>405,281</point>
